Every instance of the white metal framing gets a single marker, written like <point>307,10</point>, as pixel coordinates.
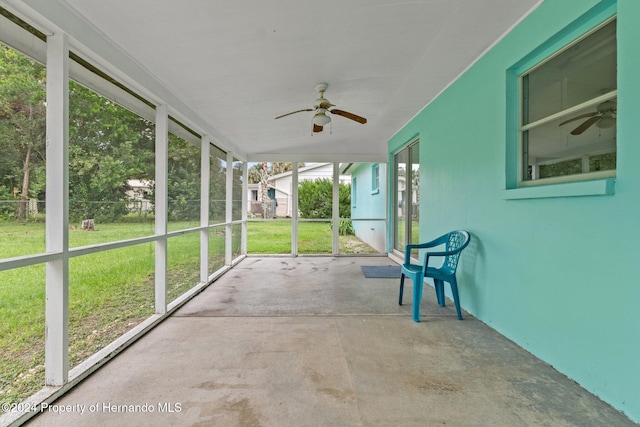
<point>228,246</point>
<point>57,372</point>
<point>205,166</point>
<point>161,207</point>
<point>294,209</point>
<point>335,210</point>
<point>57,219</point>
<point>58,375</point>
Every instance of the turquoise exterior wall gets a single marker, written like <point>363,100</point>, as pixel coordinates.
<point>369,204</point>
<point>557,275</point>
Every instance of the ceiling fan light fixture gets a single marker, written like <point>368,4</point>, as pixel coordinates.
<point>321,119</point>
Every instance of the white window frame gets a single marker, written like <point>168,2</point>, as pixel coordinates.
<point>354,191</point>
<point>522,156</point>
<point>375,178</point>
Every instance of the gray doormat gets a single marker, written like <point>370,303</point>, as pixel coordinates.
<point>381,271</point>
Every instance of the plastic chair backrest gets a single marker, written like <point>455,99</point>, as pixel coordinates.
<point>456,241</point>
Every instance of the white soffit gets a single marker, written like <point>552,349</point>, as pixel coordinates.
<point>240,64</point>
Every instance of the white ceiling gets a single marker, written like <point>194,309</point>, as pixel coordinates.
<point>239,64</point>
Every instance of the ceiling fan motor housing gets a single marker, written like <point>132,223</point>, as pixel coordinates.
<point>322,103</point>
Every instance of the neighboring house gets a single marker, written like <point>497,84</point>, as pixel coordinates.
<point>534,149</point>
<point>280,186</point>
<point>254,192</point>
<point>138,192</point>
<point>368,202</point>
<point>402,199</point>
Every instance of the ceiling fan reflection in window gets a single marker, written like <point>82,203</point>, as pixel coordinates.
<point>322,106</point>
<point>604,117</point>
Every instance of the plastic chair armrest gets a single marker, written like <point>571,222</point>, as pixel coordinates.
<point>409,247</point>
<point>437,254</point>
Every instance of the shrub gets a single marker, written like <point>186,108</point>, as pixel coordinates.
<point>314,199</point>
<point>345,228</point>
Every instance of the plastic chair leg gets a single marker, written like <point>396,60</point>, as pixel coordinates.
<point>401,289</point>
<point>417,297</point>
<point>456,298</point>
<point>439,285</point>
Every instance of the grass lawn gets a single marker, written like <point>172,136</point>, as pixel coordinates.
<point>109,293</point>
<point>112,291</point>
<point>274,237</point>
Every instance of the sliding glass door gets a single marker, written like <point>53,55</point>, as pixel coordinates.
<point>406,183</point>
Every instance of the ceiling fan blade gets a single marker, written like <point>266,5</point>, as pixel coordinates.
<point>581,116</point>
<point>294,112</point>
<point>586,125</point>
<point>349,115</point>
<point>317,128</point>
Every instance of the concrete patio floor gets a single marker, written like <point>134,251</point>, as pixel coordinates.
<point>309,341</point>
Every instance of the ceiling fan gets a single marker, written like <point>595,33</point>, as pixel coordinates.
<point>603,117</point>
<point>322,106</point>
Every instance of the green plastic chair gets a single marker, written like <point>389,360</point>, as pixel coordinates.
<point>454,242</point>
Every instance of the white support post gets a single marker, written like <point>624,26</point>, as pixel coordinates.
<point>161,207</point>
<point>294,209</point>
<point>245,205</point>
<point>335,209</point>
<point>205,162</point>
<point>387,203</point>
<point>228,245</point>
<point>57,218</point>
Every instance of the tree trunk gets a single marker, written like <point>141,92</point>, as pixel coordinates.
<point>88,225</point>
<point>264,177</point>
<point>24,194</point>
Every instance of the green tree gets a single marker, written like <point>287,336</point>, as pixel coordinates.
<point>253,173</point>
<point>217,189</point>
<point>183,180</point>
<point>22,128</point>
<point>108,145</point>
<point>274,168</point>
